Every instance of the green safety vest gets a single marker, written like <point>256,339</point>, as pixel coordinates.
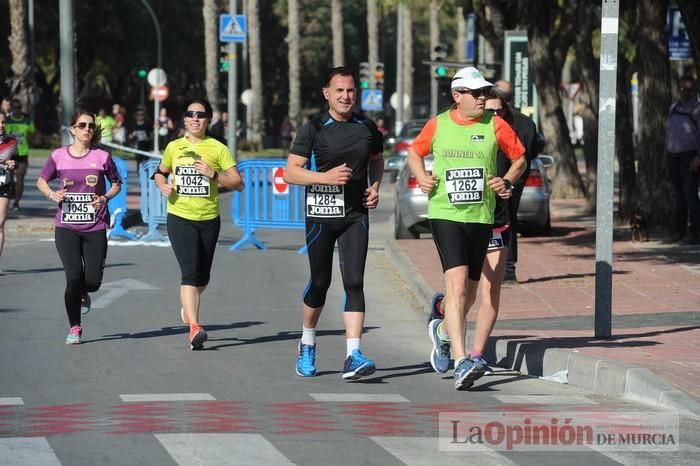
<point>465,156</point>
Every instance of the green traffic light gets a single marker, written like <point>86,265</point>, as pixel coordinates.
<point>441,71</point>
<point>142,73</point>
<point>364,84</point>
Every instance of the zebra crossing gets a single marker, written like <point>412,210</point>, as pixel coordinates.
<point>219,442</point>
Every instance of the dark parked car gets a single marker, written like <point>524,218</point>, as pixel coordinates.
<point>411,206</point>
<point>397,158</point>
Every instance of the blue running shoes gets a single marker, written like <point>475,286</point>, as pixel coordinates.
<point>466,373</point>
<point>482,361</point>
<point>306,360</point>
<point>435,307</point>
<point>357,365</point>
<point>440,356</point>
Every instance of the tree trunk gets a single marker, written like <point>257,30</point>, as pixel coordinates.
<point>546,57</point>
<point>256,87</point>
<point>491,24</point>
<point>434,41</point>
<point>294,62</point>
<point>21,80</point>
<point>408,59</point>
<point>654,101</point>
<point>337,27</point>
<point>372,40</point>
<point>460,46</point>
<point>211,51</point>
<point>624,144</point>
<point>588,15</point>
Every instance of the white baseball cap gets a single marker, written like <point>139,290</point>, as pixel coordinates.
<point>469,78</point>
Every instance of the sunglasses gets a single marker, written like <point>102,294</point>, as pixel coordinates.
<point>476,93</point>
<point>498,111</point>
<point>194,114</point>
<point>83,125</point>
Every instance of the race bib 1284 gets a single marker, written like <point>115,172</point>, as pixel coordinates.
<point>326,201</point>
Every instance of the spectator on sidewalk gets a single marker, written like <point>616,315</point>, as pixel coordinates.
<point>106,124</point>
<point>461,200</point>
<point>164,125</point>
<point>141,135</point>
<point>119,114</point>
<point>683,162</point>
<point>5,106</point>
<point>19,125</point>
<point>286,135</point>
<point>8,159</point>
<point>526,130</point>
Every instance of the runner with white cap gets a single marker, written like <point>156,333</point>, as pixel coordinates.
<point>462,187</point>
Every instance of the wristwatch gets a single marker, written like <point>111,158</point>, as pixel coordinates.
<point>508,184</point>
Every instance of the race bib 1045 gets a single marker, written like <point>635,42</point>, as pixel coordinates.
<point>76,208</point>
<point>189,182</point>
<point>326,201</point>
<point>465,185</point>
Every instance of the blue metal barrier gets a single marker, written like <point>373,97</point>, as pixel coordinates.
<point>153,204</point>
<point>266,202</point>
<point>117,205</point>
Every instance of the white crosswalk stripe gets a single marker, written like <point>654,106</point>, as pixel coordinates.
<point>686,456</point>
<point>221,449</point>
<point>146,397</point>
<point>545,399</point>
<point>419,451</point>
<point>21,451</point>
<point>358,398</point>
<point>11,401</point>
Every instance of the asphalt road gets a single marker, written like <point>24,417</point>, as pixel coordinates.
<point>133,392</point>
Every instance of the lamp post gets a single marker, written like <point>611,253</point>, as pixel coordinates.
<point>159,65</point>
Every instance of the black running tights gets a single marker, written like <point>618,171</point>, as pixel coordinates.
<point>83,256</point>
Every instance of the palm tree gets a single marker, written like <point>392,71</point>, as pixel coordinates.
<point>372,39</point>
<point>21,80</point>
<point>337,27</point>
<point>256,87</point>
<point>294,62</point>
<point>211,48</point>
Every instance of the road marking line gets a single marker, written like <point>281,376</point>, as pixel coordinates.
<point>425,450</point>
<point>545,399</point>
<point>652,458</point>
<point>143,397</point>
<point>221,449</point>
<point>27,450</point>
<point>358,398</point>
<point>11,401</point>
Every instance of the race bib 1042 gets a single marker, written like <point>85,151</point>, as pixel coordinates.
<point>3,175</point>
<point>496,241</point>
<point>326,201</point>
<point>76,208</point>
<point>465,185</point>
<point>189,182</point>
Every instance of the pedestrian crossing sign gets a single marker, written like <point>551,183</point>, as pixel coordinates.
<point>233,28</point>
<point>372,100</point>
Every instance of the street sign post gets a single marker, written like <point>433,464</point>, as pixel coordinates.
<point>679,46</point>
<point>372,100</point>
<point>233,28</point>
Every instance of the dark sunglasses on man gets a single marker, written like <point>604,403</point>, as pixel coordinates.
<point>476,93</point>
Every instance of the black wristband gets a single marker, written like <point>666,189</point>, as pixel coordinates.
<point>216,176</point>
<point>508,184</point>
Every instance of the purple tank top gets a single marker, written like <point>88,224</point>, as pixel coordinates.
<point>83,178</point>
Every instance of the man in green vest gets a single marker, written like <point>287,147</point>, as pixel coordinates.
<point>106,123</point>
<point>19,125</point>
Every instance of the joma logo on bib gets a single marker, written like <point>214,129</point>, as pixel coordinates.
<point>189,182</point>
<point>326,201</point>
<point>465,185</point>
<point>76,208</point>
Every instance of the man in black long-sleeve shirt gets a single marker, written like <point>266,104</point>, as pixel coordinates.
<point>526,130</point>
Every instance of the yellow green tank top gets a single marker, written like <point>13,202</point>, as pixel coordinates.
<point>465,157</point>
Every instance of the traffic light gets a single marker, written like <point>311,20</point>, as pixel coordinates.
<point>379,76</point>
<point>364,75</point>
<point>142,72</point>
<point>223,59</point>
<point>439,54</point>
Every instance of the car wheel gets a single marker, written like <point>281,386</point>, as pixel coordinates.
<point>546,229</point>
<point>401,231</point>
<point>394,176</point>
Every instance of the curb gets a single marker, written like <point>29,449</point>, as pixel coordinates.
<point>599,376</point>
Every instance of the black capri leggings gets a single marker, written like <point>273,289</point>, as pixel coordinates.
<point>194,243</point>
<point>352,240</point>
<point>83,256</point>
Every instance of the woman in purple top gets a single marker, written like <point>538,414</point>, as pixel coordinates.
<point>82,217</point>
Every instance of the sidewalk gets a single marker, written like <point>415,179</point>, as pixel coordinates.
<point>546,320</point>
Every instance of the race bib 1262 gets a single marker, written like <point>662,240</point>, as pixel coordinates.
<point>326,201</point>
<point>465,185</point>
<point>189,182</point>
